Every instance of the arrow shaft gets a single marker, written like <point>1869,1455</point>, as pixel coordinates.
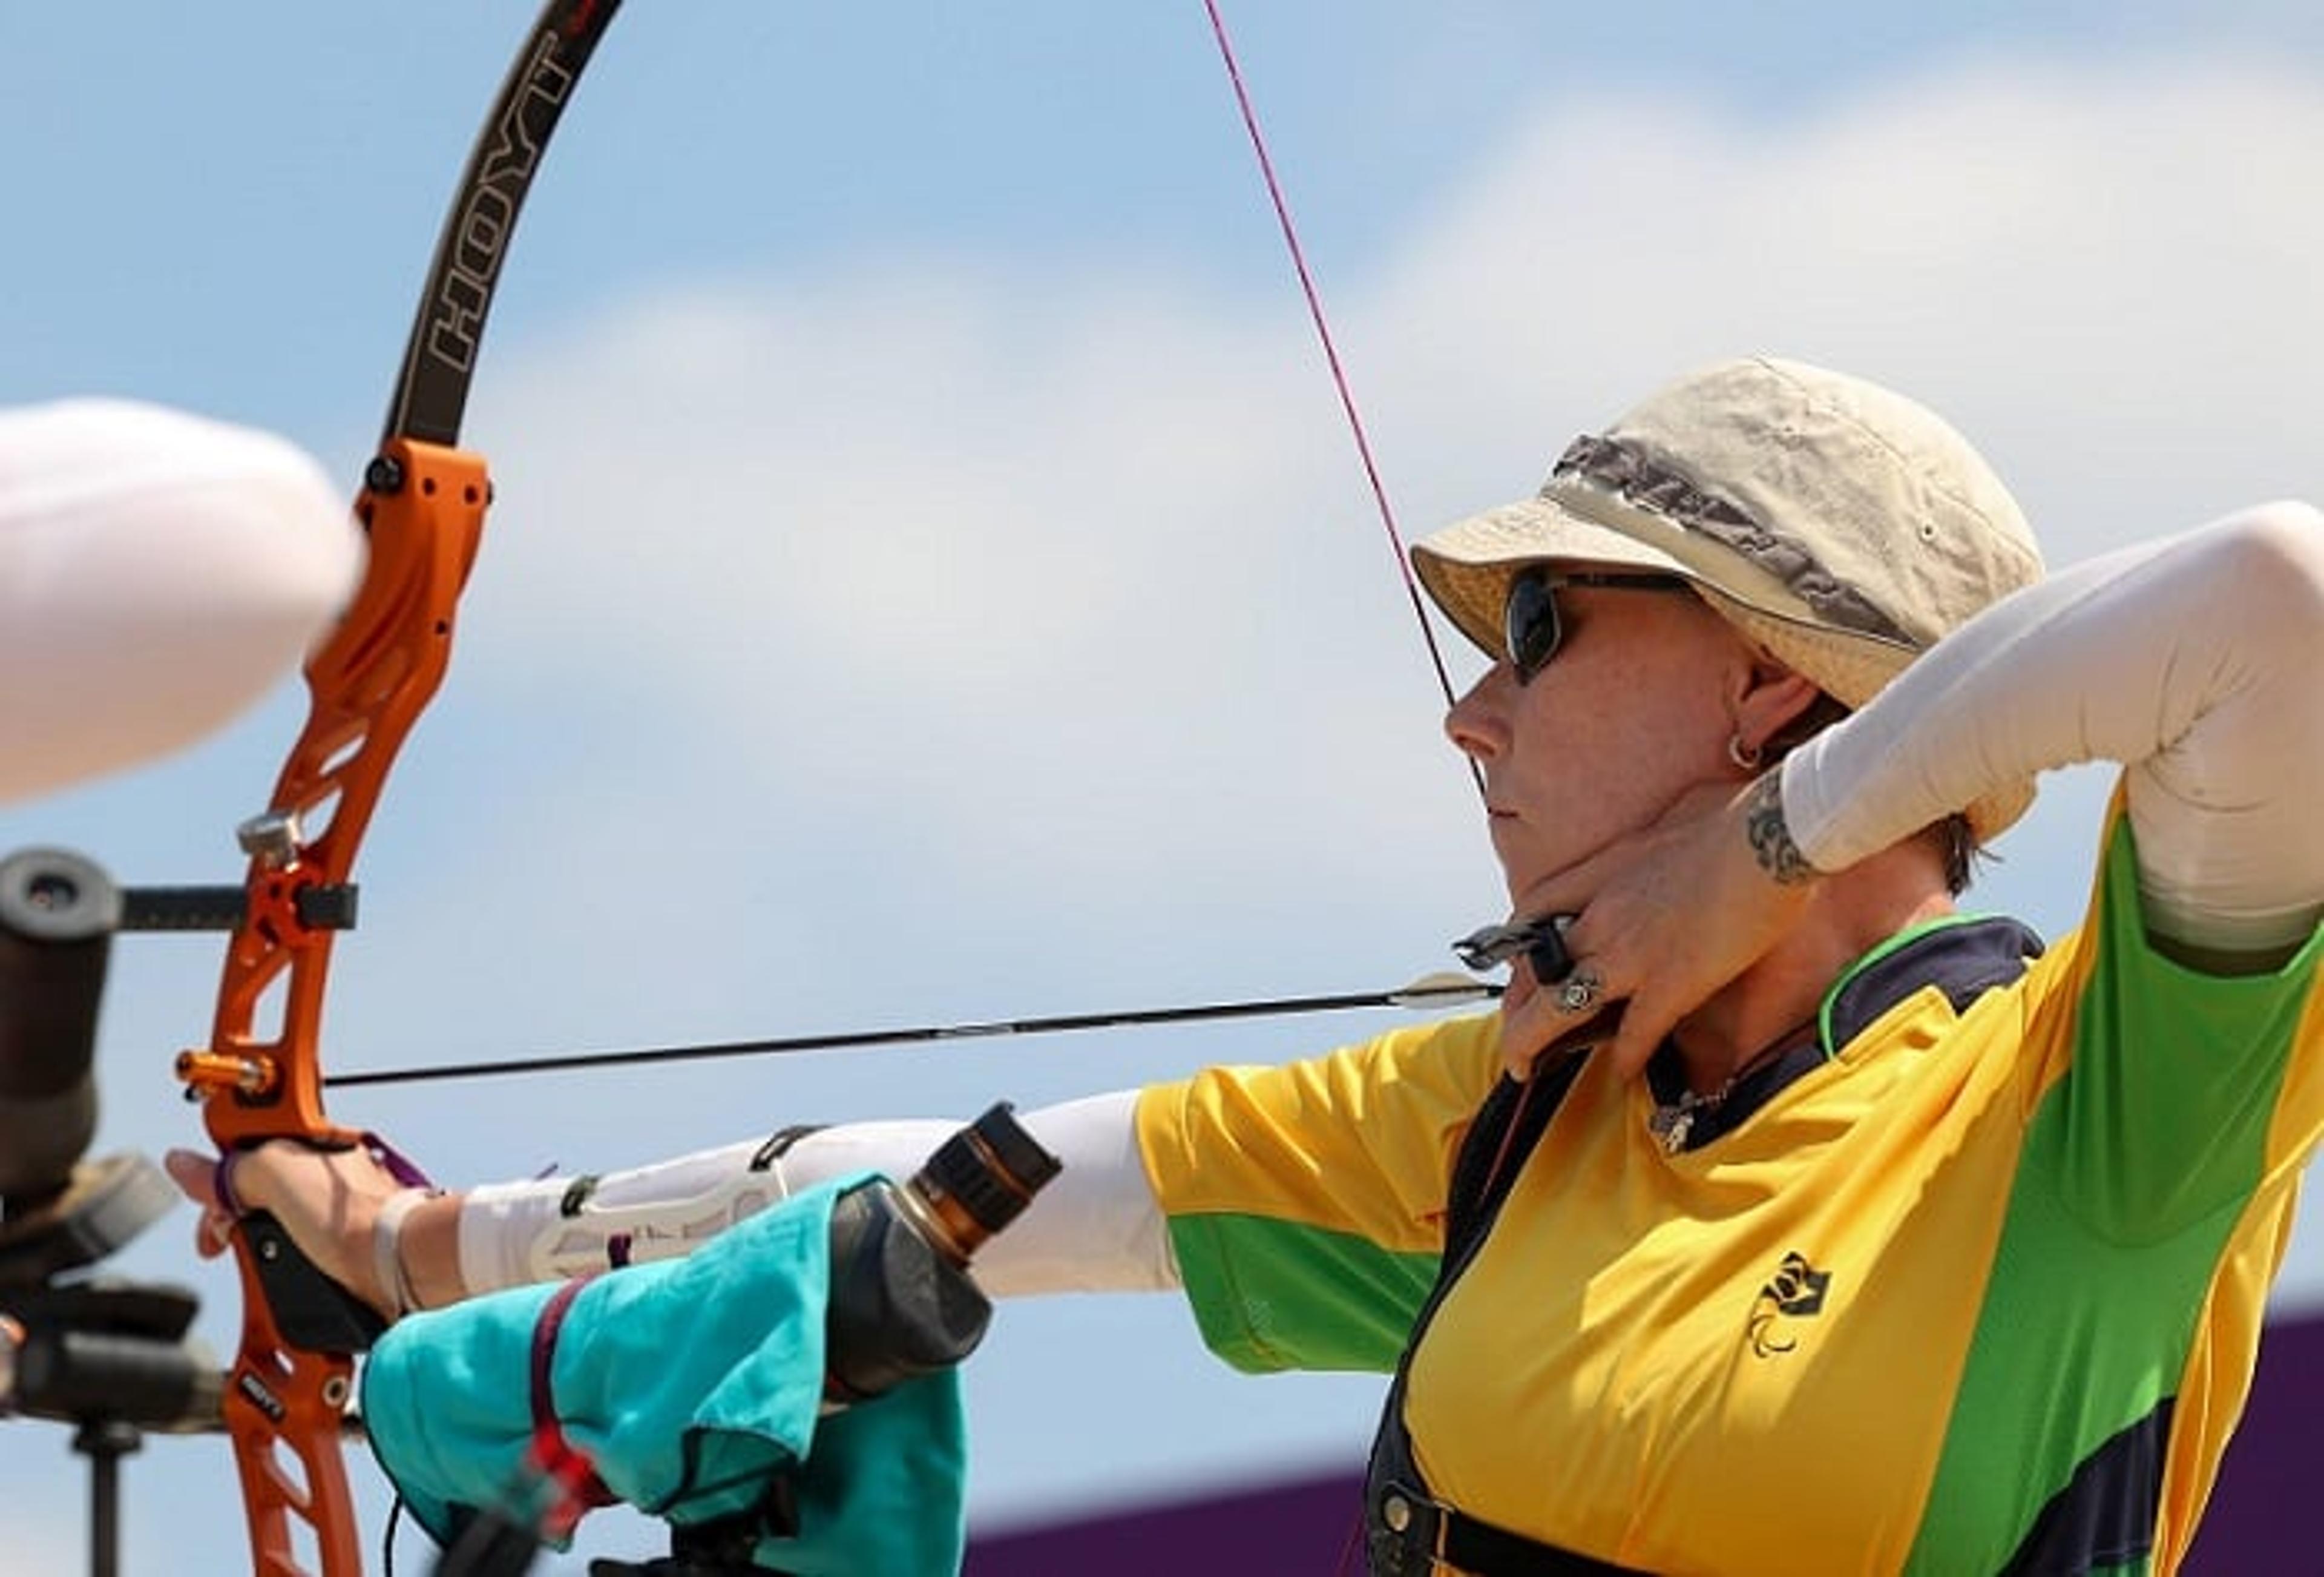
<point>1431,993</point>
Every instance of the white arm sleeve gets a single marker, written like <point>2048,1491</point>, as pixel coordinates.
<point>158,572</point>
<point>1095,1228</point>
<point>2194,662</point>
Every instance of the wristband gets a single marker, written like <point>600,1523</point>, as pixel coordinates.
<point>387,1249</point>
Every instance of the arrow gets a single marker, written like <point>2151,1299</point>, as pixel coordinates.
<point>1429,992</point>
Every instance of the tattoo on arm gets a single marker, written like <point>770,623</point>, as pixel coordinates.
<point>1771,838</point>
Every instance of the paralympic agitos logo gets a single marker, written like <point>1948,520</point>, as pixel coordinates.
<point>1795,1292</point>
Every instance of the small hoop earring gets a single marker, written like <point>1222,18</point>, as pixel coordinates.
<point>1745,757</point>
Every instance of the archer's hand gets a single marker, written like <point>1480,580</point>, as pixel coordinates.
<point>1665,918</point>
<point>328,1201</point>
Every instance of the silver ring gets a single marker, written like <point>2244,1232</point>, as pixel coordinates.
<point>1579,993</point>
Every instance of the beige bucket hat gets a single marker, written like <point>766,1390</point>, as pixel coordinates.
<point>1843,528</point>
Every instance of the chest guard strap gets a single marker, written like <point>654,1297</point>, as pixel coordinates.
<point>1407,1532</point>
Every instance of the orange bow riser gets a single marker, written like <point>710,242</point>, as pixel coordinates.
<point>260,1077</point>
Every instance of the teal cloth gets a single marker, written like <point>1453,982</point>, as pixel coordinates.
<point>688,1383</point>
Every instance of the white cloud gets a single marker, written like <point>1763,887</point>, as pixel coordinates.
<point>2105,276</point>
<point>1071,582</point>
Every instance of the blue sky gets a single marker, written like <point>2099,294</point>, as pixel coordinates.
<point>930,580</point>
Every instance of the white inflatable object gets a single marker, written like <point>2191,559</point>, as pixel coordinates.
<point>159,572</point>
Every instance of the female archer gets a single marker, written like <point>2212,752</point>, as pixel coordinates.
<point>1782,1218</point>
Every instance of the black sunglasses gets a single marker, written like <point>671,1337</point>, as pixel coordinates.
<point>1530,626</point>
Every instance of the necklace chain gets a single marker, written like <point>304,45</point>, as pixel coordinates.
<point>1672,1122</point>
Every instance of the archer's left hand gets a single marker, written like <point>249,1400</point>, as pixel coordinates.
<point>328,1201</point>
